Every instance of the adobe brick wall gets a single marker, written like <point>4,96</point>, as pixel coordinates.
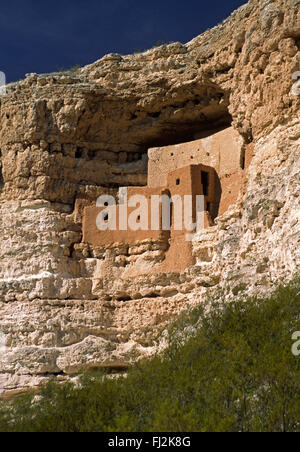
<point>94,237</point>
<point>222,151</point>
<point>182,182</point>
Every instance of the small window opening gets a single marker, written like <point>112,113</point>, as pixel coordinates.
<point>205,182</point>
<point>177,181</point>
<point>78,154</point>
<point>105,217</point>
<point>243,159</point>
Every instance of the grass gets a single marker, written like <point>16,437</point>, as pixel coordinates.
<point>228,368</point>
<point>159,43</point>
<point>72,70</point>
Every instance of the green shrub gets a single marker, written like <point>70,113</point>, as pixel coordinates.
<point>229,367</point>
<point>239,288</point>
<point>72,69</point>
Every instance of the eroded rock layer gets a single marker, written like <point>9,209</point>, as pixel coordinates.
<point>67,138</point>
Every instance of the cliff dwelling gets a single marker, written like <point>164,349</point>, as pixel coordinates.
<point>179,119</point>
<point>213,167</point>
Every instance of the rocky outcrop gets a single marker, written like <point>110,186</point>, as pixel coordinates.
<point>67,138</point>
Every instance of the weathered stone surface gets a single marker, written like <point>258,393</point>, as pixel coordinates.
<point>65,139</point>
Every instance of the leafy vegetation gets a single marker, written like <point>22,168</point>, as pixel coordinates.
<point>229,367</point>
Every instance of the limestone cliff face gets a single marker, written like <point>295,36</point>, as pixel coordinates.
<point>67,138</point>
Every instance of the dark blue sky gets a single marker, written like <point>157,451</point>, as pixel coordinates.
<point>43,36</point>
